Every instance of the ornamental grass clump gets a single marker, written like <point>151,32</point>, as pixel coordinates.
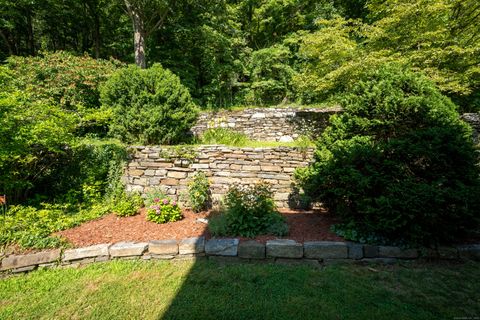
<point>164,210</point>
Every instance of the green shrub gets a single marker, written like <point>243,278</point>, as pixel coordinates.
<point>224,136</point>
<point>68,81</point>
<point>127,205</point>
<point>149,106</point>
<point>31,227</point>
<point>250,211</point>
<point>218,224</point>
<point>164,210</point>
<point>33,138</point>
<point>398,165</point>
<point>86,170</point>
<point>41,152</point>
<point>199,192</point>
<point>62,78</point>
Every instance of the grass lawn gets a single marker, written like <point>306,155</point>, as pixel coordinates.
<point>207,290</point>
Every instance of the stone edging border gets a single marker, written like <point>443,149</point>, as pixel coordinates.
<point>315,253</point>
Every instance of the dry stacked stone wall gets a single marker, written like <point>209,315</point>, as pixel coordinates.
<point>268,124</point>
<point>171,169</point>
<point>473,119</point>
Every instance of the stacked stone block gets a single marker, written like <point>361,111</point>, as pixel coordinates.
<point>281,251</point>
<point>171,169</point>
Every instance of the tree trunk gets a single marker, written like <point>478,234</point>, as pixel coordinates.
<point>96,36</point>
<point>94,11</point>
<point>7,43</point>
<point>30,36</point>
<point>139,44</point>
<point>139,34</point>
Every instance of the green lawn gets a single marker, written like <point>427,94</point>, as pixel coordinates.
<point>206,290</point>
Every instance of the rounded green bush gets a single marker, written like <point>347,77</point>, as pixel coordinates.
<point>149,106</point>
<point>127,204</point>
<point>249,211</point>
<point>398,165</point>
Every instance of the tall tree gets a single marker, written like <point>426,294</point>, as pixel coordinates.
<point>147,16</point>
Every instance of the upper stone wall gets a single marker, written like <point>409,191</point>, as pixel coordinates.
<point>268,124</point>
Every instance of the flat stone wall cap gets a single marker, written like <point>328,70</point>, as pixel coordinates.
<point>279,242</point>
<point>335,243</point>
<point>222,247</point>
<point>251,249</point>
<point>397,252</point>
<point>192,245</point>
<point>284,249</point>
<point>128,249</point>
<point>163,247</point>
<point>28,260</point>
<point>86,252</point>
<point>370,251</point>
<point>325,250</point>
<point>471,251</point>
<point>355,251</point>
<point>447,253</point>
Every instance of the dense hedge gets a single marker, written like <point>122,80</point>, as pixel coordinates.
<point>149,106</point>
<point>398,165</point>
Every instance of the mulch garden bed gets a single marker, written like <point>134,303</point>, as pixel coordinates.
<point>303,225</point>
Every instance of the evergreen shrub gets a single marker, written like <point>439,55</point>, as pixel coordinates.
<point>398,165</point>
<point>148,106</point>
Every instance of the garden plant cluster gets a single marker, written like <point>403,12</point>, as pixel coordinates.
<point>396,166</point>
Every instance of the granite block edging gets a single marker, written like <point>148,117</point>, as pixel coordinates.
<point>281,251</point>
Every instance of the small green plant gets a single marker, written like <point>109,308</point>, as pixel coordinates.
<point>128,205</point>
<point>199,192</point>
<point>32,227</point>
<point>224,136</point>
<point>153,195</point>
<point>164,210</point>
<point>249,211</point>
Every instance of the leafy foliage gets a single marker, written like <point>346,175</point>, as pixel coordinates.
<point>67,81</point>
<point>149,106</point>
<point>270,76</point>
<point>164,210</point>
<point>199,194</point>
<point>31,227</point>
<point>127,205</point>
<point>439,38</point>
<point>250,211</point>
<point>398,165</point>
<point>33,137</point>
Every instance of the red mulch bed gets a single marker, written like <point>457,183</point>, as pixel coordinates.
<point>304,226</point>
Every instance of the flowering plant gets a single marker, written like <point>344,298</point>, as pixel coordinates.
<point>164,210</point>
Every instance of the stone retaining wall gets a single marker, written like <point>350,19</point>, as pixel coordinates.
<point>283,124</point>
<point>473,119</point>
<point>171,169</point>
<point>268,124</point>
<point>315,253</point>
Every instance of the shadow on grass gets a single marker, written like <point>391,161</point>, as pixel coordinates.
<point>222,288</point>
<point>213,290</point>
